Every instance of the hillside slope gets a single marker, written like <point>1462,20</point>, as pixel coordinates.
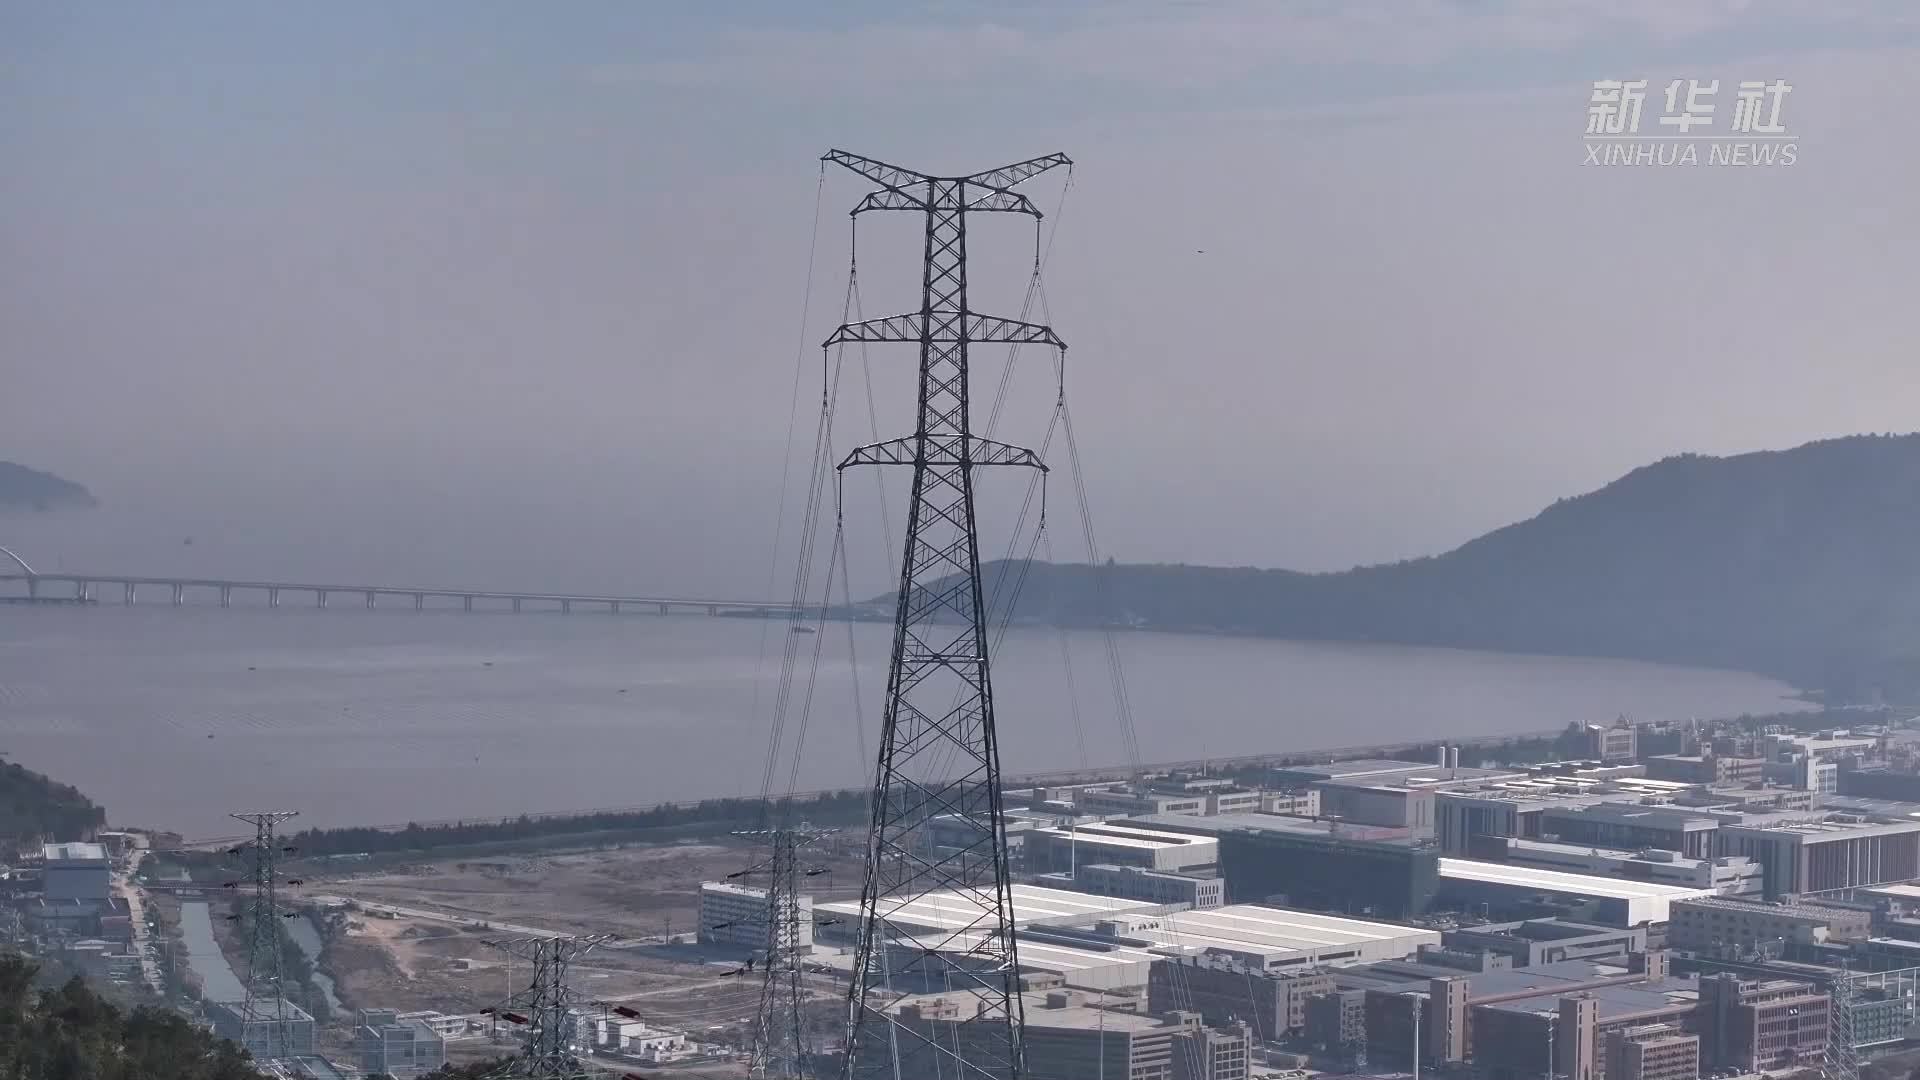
<point>31,489</point>
<point>1802,563</point>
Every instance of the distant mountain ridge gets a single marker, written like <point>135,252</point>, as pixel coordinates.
<point>1803,564</point>
<point>24,488</point>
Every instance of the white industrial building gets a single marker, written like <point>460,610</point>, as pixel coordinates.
<point>737,915</point>
<point>947,911</point>
<point>1271,939</point>
<point>1116,949</point>
<point>1059,850</point>
<point>1629,903</point>
<point>635,1039</point>
<point>1728,875</point>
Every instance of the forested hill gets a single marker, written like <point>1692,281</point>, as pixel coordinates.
<point>1802,563</point>
<point>31,489</point>
<point>35,809</point>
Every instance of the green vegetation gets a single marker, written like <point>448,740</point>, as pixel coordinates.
<point>706,818</point>
<point>1801,564</point>
<point>35,809</point>
<point>73,1034</point>
<point>21,487</point>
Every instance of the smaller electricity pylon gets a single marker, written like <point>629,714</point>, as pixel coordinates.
<point>266,1001</point>
<point>544,1007</point>
<point>779,1046</point>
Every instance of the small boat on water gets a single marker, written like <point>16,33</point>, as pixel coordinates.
<point>803,629</point>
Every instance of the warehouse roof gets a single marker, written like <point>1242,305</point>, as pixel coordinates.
<point>1622,1000</point>
<point>1646,901</point>
<point>1243,926</point>
<point>74,852</point>
<point>957,911</point>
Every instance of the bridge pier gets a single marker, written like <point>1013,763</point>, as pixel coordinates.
<point>179,594</point>
<point>226,595</point>
<point>566,607</point>
<point>33,588</point>
<point>466,603</point>
<point>273,598</point>
<point>127,595</point>
<point>419,601</point>
<point>516,605</point>
<point>713,609</point>
<point>613,607</point>
<point>369,599</point>
<point>663,609</point>
<point>320,598</point>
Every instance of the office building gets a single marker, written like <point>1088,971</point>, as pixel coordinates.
<point>1533,942</point>
<point>1723,927</point>
<point>1300,802</point>
<point>1729,875</point>
<point>1840,852</point>
<point>1633,827</point>
<point>1825,746</point>
<point>1319,864</point>
<point>76,872</point>
<point>1064,1037</point>
<point>1617,742</point>
<point>1757,1024</point>
<point>1337,1018</point>
<point>1272,1003</point>
<point>1880,784</point>
<point>260,1032</point>
<point>1057,850</point>
<point>1388,771</point>
<point>388,1042</point>
<point>1365,801</point>
<point>1195,890</point>
<point>1704,769</point>
<point>1816,775</point>
<point>636,1039</point>
<point>733,914</point>
<point>1652,1052</point>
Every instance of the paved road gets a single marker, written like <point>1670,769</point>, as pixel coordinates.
<point>439,916</point>
<point>123,886</point>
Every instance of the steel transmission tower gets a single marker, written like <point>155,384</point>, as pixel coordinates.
<point>779,1047</point>
<point>939,756</point>
<point>546,1049</point>
<point>266,1000</point>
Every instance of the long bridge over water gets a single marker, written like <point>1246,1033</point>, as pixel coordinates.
<point>81,588</point>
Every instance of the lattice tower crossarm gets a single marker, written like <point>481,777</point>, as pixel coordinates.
<point>939,753</point>
<point>266,990</point>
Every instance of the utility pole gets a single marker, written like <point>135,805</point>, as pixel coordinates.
<point>1417,1002</point>
<point>546,1048</point>
<point>266,999</point>
<point>779,1046</point>
<point>939,753</point>
<point>1553,1026</point>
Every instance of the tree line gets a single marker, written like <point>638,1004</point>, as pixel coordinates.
<point>707,816</point>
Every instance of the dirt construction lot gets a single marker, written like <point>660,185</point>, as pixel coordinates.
<point>637,893</point>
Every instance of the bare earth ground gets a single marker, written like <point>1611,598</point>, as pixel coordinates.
<point>636,893</point>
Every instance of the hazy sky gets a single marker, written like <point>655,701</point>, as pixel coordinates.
<point>512,293</point>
